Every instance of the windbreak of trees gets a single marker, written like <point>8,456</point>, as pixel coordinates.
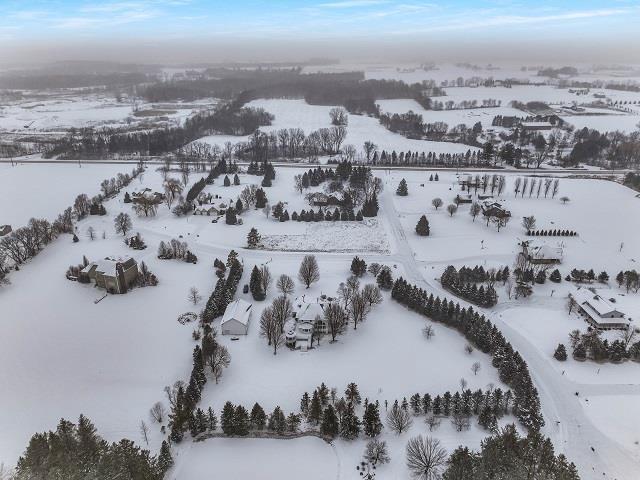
<point>610,149</point>
<point>479,331</point>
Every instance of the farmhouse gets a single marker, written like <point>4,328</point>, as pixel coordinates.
<point>543,254</point>
<point>211,211</point>
<point>491,208</point>
<point>5,230</point>
<point>236,318</point>
<point>598,312</point>
<point>114,275</point>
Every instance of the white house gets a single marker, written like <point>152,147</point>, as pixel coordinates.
<point>236,318</point>
<point>598,312</point>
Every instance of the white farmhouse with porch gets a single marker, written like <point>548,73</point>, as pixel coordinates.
<point>599,312</point>
<point>236,318</point>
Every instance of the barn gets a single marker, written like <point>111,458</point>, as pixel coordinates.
<point>236,318</point>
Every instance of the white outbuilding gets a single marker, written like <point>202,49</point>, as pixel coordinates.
<point>236,318</point>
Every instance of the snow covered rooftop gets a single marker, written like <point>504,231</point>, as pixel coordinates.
<point>597,305</point>
<point>238,310</point>
<point>309,311</point>
<point>107,266</point>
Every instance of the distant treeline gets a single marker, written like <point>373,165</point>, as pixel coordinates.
<point>23,81</point>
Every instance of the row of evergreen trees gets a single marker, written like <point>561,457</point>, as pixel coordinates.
<point>552,233</point>
<point>459,284</point>
<point>346,215</point>
<point>78,452</point>
<point>592,347</point>
<point>428,159</point>
<point>480,332</point>
<point>224,290</point>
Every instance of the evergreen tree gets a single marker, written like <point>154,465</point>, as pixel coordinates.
<point>371,420</point>
<point>277,421</point>
<point>236,179</point>
<point>253,238</point>
<point>258,417</point>
<point>241,423</point>
<point>226,419</point>
<point>212,420</point>
<point>315,409</point>
<point>305,401</point>
<point>555,276</point>
<point>165,460</point>
<point>227,182</point>
<point>230,216</point>
<point>329,425</point>
<point>352,394</point>
<point>350,423</point>
<point>422,227</point>
<point>402,189</point>
<point>255,284</point>
<point>384,279</point>
<point>560,353</point>
<point>358,266</point>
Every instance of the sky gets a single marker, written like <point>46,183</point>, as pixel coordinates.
<point>178,31</point>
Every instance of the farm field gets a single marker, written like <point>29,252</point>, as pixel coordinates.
<point>299,114</point>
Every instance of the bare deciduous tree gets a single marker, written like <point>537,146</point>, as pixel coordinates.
<point>309,271</point>
<point>475,368</point>
<point>91,233</point>
<point>428,332</point>
<point>376,452</point>
<point>425,458</point>
<point>122,223</point>
<point>432,422</point>
<point>285,284</point>
<point>194,295</point>
<point>358,309</point>
<point>336,319</point>
<point>144,431</point>
<point>372,294</point>
<point>157,412</point>
<point>398,419</point>
<point>529,223</point>
<point>461,422</point>
<point>436,202</point>
<point>265,278</point>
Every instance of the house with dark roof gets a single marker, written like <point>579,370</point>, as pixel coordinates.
<point>114,275</point>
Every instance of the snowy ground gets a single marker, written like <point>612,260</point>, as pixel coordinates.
<point>299,114</point>
<point>55,111</point>
<point>57,187</point>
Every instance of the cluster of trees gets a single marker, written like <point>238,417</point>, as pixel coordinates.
<point>183,400</point>
<point>78,451</point>
<point>609,149</point>
<point>292,143</point>
<point>412,125</point>
<point>260,282</point>
<point>508,454</point>
<point>430,159</point>
<point>591,346</point>
<point>488,406</point>
<point>487,338</point>
<point>463,283</point>
<point>579,275</point>
<point>630,279</point>
<point>237,420</point>
<point>136,242</point>
<point>225,288</point>
<point>263,169</point>
<point>111,187</point>
<point>494,183</point>
<point>344,215</point>
<point>355,184</point>
<point>176,249</point>
<point>552,233</point>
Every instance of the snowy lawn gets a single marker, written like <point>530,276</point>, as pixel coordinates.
<point>45,190</point>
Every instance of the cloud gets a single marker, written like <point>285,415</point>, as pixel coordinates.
<point>352,3</point>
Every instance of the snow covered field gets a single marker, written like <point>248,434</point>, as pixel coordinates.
<point>299,114</point>
<point>57,187</point>
<point>60,111</point>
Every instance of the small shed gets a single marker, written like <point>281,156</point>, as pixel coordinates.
<point>236,318</point>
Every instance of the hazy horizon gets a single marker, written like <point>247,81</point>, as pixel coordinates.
<point>200,31</point>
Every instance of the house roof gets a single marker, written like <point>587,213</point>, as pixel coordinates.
<point>107,266</point>
<point>596,305</point>
<point>238,310</point>
<point>545,252</point>
<point>309,311</point>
